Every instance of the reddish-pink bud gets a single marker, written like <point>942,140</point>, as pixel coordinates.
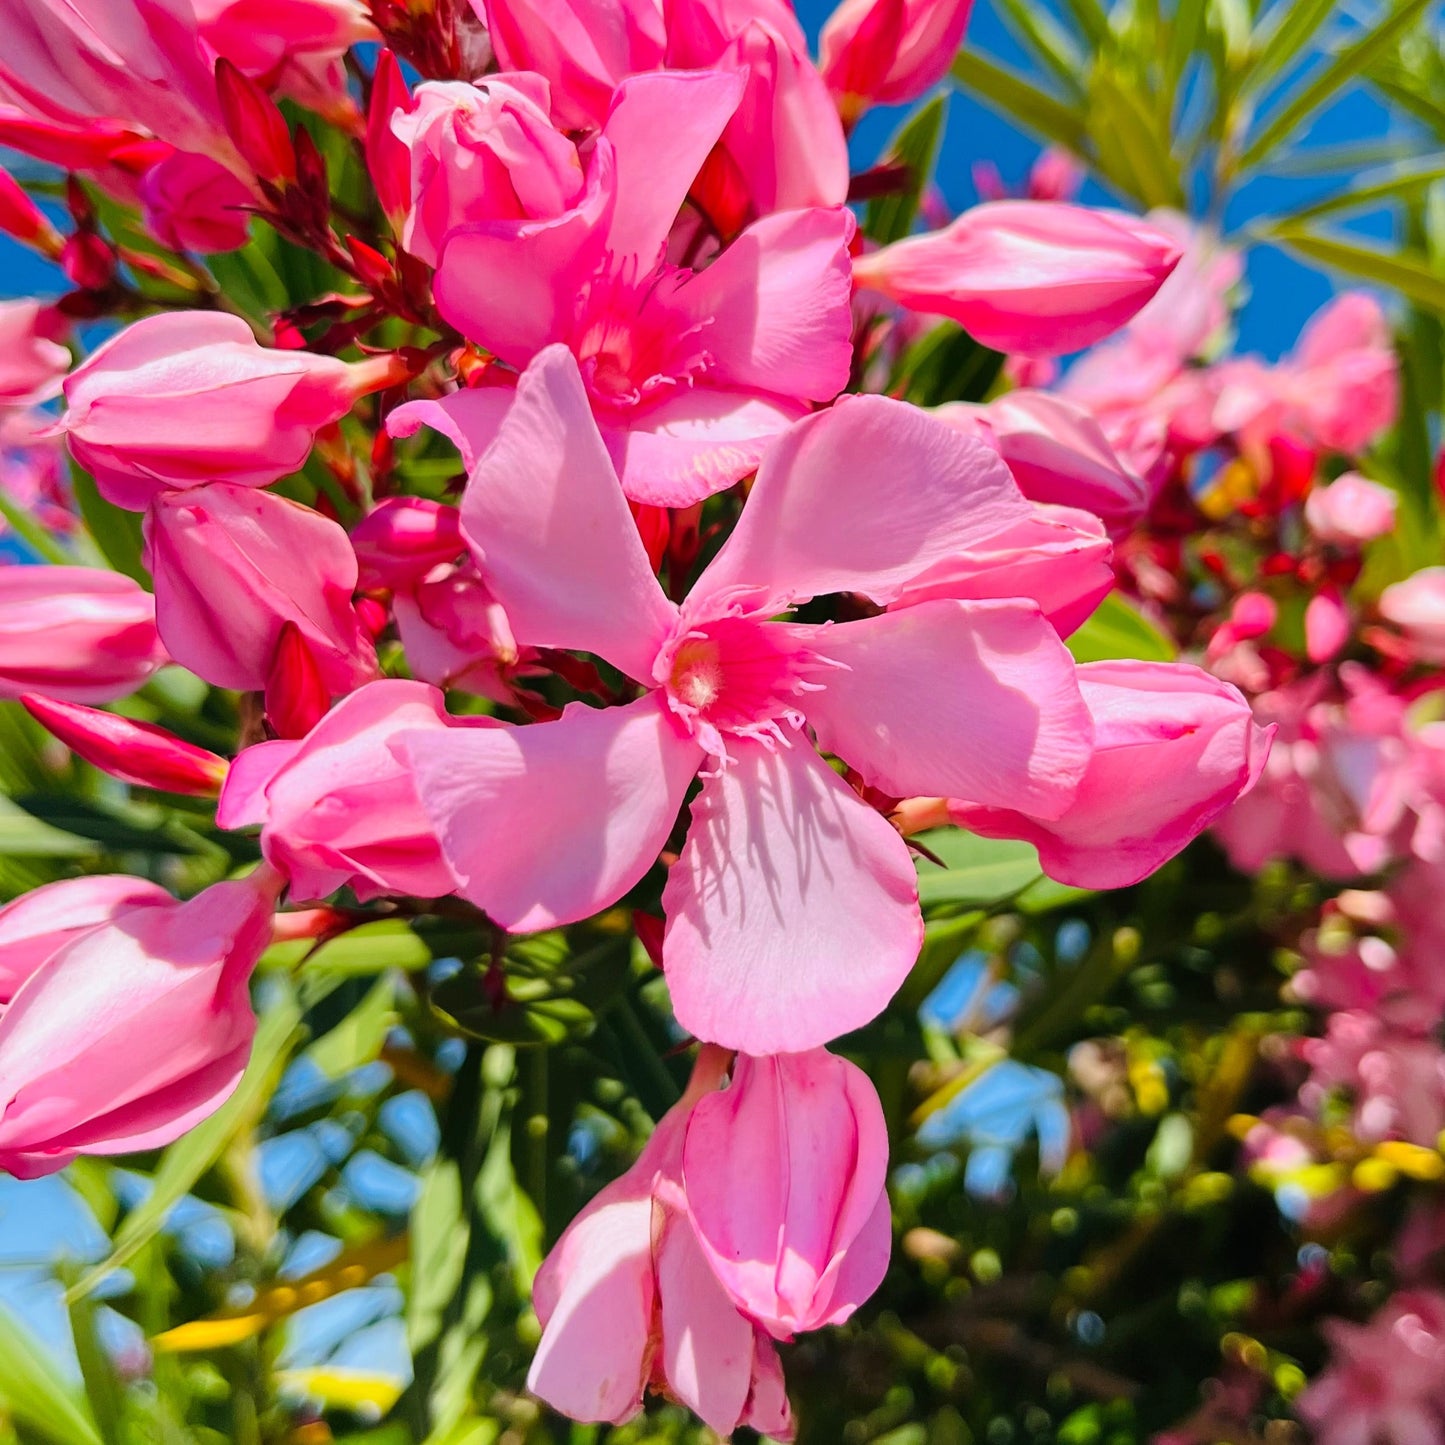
<point>21,217</point>
<point>403,538</point>
<point>387,156</point>
<point>296,693</point>
<point>138,753</point>
<point>257,128</point>
<point>88,261</point>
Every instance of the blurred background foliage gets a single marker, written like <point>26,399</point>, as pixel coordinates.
<point>346,1249</point>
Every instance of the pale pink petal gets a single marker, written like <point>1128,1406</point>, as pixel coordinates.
<point>695,443</point>
<point>551,532</point>
<point>792,914</point>
<point>242,803</point>
<point>972,700</point>
<point>707,1346</point>
<point>864,497</point>
<point>469,420</point>
<point>661,127</point>
<point>549,823</point>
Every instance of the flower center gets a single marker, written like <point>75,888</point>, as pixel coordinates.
<point>738,675</point>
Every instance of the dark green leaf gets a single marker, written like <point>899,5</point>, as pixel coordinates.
<point>890,218</point>
<point>117,533</point>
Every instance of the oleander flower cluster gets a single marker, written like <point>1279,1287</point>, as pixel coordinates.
<point>687,625</point>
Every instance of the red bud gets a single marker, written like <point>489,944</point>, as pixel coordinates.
<point>135,752</point>
<point>387,158</point>
<point>21,217</point>
<point>88,261</point>
<point>256,127</point>
<point>296,696</point>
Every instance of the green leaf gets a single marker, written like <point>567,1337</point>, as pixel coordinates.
<point>947,364</point>
<point>183,1164</point>
<point>1329,80</point>
<point>977,871</point>
<point>118,829</point>
<point>1184,29</point>
<point>890,218</point>
<point>372,948</point>
<point>358,1038</point>
<point>1127,137</point>
<point>116,532</point>
<point>34,1391</point>
<point>1053,46</point>
<point>438,1251</point>
<point>1363,191</point>
<point>32,533</point>
<point>1280,37</point>
<point>1117,629</point>
<point>23,835</point>
<point>1409,273</point>
<point>1038,113</point>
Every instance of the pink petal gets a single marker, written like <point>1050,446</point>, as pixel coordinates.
<point>661,127</point>
<point>777,306</point>
<point>707,1346</point>
<point>549,823</point>
<point>695,443</point>
<point>549,526</point>
<point>792,914</point>
<point>469,420</point>
<point>242,803</point>
<point>974,700</point>
<point>864,497</point>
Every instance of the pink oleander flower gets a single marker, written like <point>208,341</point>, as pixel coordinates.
<point>232,565</point>
<point>1417,607</point>
<point>792,911</point>
<point>1173,748</point>
<point>886,52</point>
<point>664,1280</point>
<point>1057,454</point>
<point>1386,1378</point>
<point>1351,510</point>
<point>1338,390</point>
<point>339,808</point>
<point>135,1030</point>
<point>784,147</point>
<point>138,753</point>
<point>483,152</point>
<point>81,634</point>
<point>690,373</point>
<point>1034,277</point>
<point>38,924</point>
<point>33,358</point>
<point>88,66</point>
<point>1394,1078</point>
<point>783,1176</point>
<point>189,397</point>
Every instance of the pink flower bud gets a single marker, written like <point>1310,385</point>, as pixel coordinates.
<point>1351,510</point>
<point>1038,277</point>
<point>40,923</point>
<point>233,565</point>
<point>297,696</point>
<point>189,397</point>
<point>1327,625</point>
<point>1058,454</point>
<point>88,260</point>
<point>784,1174</point>
<point>627,1300</point>
<point>1173,748</point>
<point>33,362</point>
<point>339,808</point>
<point>22,218</point>
<point>138,753</point>
<point>387,156</point>
<point>193,203</point>
<point>134,1031</point>
<point>483,153</point>
<point>1417,607</point>
<point>403,538</point>
<point>77,633</point>
<point>885,52</point>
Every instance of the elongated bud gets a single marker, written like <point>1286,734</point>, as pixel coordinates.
<point>21,217</point>
<point>138,753</point>
<point>387,156</point>
<point>296,693</point>
<point>256,126</point>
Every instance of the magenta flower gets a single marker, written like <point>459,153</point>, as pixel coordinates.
<point>690,372</point>
<point>792,911</point>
